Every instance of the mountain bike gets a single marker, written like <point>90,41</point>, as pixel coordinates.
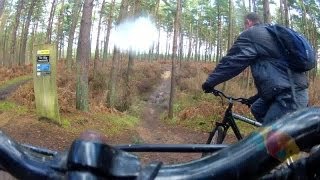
<point>251,158</point>
<point>220,129</point>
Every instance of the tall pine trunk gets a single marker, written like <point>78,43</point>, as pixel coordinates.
<point>107,36</point>
<point>83,56</point>
<point>173,58</point>
<point>96,54</point>
<point>50,22</point>
<point>75,16</point>
<point>111,95</point>
<point>22,58</point>
<point>12,52</point>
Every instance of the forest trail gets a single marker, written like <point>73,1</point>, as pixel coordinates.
<point>153,130</point>
<point>6,91</point>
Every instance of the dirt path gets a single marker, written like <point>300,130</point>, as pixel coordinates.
<point>5,92</point>
<point>154,131</point>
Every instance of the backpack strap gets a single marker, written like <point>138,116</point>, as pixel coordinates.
<point>293,91</point>
<point>285,53</point>
<point>277,38</point>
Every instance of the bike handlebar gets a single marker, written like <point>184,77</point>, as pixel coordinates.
<point>221,94</point>
<point>252,157</point>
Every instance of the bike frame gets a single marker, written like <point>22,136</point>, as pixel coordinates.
<point>229,121</point>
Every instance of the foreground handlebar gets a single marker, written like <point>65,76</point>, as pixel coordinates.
<point>250,158</point>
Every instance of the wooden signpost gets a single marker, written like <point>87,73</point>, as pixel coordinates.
<point>45,87</point>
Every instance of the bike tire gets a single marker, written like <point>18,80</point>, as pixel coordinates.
<point>216,138</point>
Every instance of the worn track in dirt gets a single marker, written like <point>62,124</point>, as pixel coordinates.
<point>153,130</point>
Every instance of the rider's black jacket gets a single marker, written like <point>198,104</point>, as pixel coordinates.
<point>256,48</point>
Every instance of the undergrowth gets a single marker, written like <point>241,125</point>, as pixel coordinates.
<point>102,118</point>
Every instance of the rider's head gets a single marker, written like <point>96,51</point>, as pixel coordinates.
<point>251,19</point>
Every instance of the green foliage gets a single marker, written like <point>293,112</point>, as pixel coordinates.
<point>14,81</point>
<point>12,107</point>
<point>137,140</point>
<point>65,122</point>
<point>136,108</point>
<point>119,123</point>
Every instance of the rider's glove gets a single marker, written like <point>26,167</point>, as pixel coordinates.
<point>253,99</point>
<point>250,100</point>
<point>246,102</point>
<point>207,88</point>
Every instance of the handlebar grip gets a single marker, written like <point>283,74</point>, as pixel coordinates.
<point>21,163</point>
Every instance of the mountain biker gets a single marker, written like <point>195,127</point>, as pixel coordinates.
<point>256,48</point>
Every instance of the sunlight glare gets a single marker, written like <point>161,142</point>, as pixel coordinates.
<point>138,34</point>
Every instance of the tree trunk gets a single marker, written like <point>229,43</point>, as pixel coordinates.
<point>16,23</point>
<point>111,96</point>
<point>286,13</point>
<point>59,30</point>
<point>75,16</point>
<point>180,47</point>
<point>190,43</point>
<point>173,58</point>
<point>254,4</point>
<point>2,23</point>
<point>83,56</point>
<point>219,32</point>
<point>266,12</point>
<point>109,26</point>
<point>281,12</point>
<point>50,21</point>
<point>96,54</point>
<point>304,19</point>
<point>34,30</point>
<point>127,99</point>
<point>2,2</point>
<point>230,25</point>
<point>25,32</point>
<point>158,27</point>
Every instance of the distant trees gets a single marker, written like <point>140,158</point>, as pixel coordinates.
<point>206,31</point>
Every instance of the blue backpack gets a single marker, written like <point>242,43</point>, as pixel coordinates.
<point>297,49</point>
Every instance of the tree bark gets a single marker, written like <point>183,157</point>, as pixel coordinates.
<point>266,12</point>
<point>25,33</point>
<point>75,16</point>
<point>59,31</point>
<point>96,54</point>
<point>50,21</point>
<point>286,13</point>
<point>127,99</point>
<point>173,58</point>
<point>219,32</point>
<point>111,96</point>
<point>16,23</point>
<point>109,26</point>
<point>83,56</point>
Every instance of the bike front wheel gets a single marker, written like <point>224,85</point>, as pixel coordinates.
<point>218,136</point>
<point>215,137</point>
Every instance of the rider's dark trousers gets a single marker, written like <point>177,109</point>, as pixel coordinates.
<point>266,112</point>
